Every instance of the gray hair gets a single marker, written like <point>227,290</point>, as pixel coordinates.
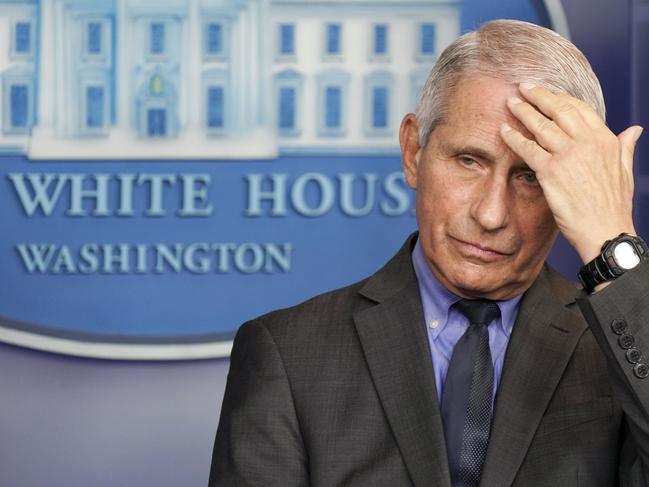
<point>515,52</point>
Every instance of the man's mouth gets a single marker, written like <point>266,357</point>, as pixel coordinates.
<point>479,251</point>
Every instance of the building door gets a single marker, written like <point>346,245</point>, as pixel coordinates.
<point>156,122</point>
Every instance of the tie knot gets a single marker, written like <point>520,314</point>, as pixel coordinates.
<point>478,311</point>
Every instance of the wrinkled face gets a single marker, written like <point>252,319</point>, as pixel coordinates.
<point>484,225</point>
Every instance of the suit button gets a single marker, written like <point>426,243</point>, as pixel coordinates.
<point>618,326</point>
<point>633,355</point>
<point>626,341</point>
<point>641,370</point>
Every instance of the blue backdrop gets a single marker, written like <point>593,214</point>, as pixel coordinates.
<point>76,422</point>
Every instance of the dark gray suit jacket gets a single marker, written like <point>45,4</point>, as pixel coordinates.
<point>339,391</point>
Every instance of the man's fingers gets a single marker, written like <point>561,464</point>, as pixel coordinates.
<point>564,113</point>
<point>532,153</point>
<point>569,113</point>
<point>587,112</point>
<point>628,139</point>
<point>545,131</point>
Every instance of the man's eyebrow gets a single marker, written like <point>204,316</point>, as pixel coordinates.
<point>473,150</point>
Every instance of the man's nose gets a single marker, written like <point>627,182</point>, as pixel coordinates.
<point>492,204</point>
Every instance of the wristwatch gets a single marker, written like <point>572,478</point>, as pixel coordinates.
<point>619,255</point>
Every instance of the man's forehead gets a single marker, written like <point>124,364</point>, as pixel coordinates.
<point>479,94</point>
<point>475,111</point>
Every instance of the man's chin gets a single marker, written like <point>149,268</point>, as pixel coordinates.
<point>479,280</point>
<point>486,286</point>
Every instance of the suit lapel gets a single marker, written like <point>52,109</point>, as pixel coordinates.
<point>394,341</point>
<point>543,339</point>
<point>393,337</point>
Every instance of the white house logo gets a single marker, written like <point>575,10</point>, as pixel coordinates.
<point>232,79</point>
<point>174,168</point>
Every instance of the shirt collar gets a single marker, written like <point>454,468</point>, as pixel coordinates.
<point>437,300</point>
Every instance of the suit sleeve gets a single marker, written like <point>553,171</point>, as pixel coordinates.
<point>618,316</point>
<point>258,441</point>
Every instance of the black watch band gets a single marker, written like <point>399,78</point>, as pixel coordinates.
<point>605,267</point>
<point>594,273</point>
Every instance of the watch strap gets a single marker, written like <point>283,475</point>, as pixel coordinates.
<point>600,270</point>
<point>595,272</point>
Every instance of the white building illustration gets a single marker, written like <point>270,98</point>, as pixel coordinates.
<point>213,79</point>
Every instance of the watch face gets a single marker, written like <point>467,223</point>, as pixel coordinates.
<point>625,255</point>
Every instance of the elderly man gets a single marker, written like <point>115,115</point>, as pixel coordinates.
<point>466,360</point>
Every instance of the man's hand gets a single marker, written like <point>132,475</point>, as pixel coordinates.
<point>584,169</point>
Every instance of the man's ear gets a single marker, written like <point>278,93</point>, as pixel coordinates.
<point>410,149</point>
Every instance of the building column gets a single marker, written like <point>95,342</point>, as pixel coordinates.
<point>124,96</point>
<point>238,60</point>
<point>47,86</point>
<point>264,53</point>
<point>193,60</point>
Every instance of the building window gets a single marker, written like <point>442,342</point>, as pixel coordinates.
<point>379,89</point>
<point>333,35</point>
<point>19,106</point>
<point>93,44</point>
<point>380,107</point>
<point>286,39</point>
<point>286,117</point>
<point>380,40</point>
<point>288,87</point>
<point>95,107</point>
<point>332,88</point>
<point>333,107</point>
<point>18,100</point>
<point>213,39</point>
<point>427,39</point>
<point>94,102</point>
<point>157,38</point>
<point>215,107</point>
<point>216,91</point>
<point>23,37</point>
<point>96,40</point>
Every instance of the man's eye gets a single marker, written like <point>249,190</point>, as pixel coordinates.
<point>467,161</point>
<point>529,177</point>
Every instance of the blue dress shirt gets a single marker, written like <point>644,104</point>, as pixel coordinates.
<point>445,325</point>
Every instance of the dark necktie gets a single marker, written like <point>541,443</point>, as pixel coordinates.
<point>467,395</point>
